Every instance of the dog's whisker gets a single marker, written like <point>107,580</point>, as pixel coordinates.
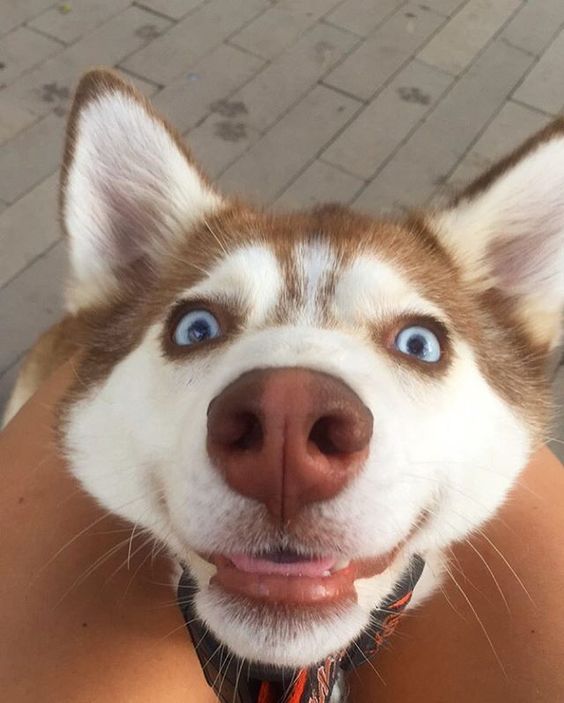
<point>202,638</point>
<point>508,565</point>
<point>129,546</point>
<point>109,514</point>
<point>370,664</point>
<point>172,632</point>
<point>217,651</point>
<point>480,531</point>
<point>227,664</point>
<point>138,569</point>
<point>480,622</point>
<point>238,678</point>
<point>95,522</point>
<point>90,570</point>
<point>455,563</point>
<point>490,571</point>
<point>450,603</point>
<point>220,243</point>
<point>458,567</point>
<point>124,563</point>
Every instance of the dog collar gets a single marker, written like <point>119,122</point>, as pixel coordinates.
<point>235,680</point>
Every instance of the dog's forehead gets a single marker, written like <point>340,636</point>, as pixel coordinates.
<point>308,250</point>
<point>311,279</point>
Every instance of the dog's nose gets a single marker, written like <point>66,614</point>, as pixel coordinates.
<point>288,437</point>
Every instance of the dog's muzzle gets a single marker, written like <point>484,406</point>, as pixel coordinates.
<point>237,681</point>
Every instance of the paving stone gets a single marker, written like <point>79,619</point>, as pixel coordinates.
<point>320,183</point>
<point>362,16</point>
<point>271,163</point>
<point>148,88</point>
<point>543,88</point>
<point>280,26</point>
<point>30,156</point>
<point>269,166</point>
<point>50,85</point>
<point>13,117</point>
<point>187,101</point>
<point>28,228</point>
<point>16,12</point>
<point>384,52</point>
<point>173,54</point>
<point>445,7</point>
<point>175,9</point>
<point>7,382</point>
<point>381,127</point>
<point>461,39</point>
<point>535,25</point>
<point>512,125</point>
<point>278,86</point>
<point>30,303</point>
<point>22,49</point>
<point>83,17</point>
<point>221,139</point>
<point>422,165</point>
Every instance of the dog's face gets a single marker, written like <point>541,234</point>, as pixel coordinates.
<point>296,404</point>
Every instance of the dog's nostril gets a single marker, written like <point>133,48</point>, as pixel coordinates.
<point>321,435</point>
<point>336,434</point>
<point>235,430</point>
<point>249,434</point>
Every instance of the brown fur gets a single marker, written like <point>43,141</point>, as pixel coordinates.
<point>51,350</point>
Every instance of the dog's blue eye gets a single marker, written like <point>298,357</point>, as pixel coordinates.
<point>195,327</point>
<point>420,343</point>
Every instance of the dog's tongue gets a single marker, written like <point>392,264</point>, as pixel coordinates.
<point>284,564</point>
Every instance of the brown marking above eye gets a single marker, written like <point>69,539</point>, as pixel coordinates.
<point>228,323</point>
<point>387,336</point>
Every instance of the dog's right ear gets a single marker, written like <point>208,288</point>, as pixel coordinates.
<point>128,185</point>
<point>506,231</point>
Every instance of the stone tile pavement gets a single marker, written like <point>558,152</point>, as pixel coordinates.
<point>378,103</point>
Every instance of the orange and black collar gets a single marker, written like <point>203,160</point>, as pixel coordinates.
<point>236,681</point>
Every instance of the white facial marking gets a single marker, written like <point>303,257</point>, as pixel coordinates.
<point>372,289</point>
<point>314,262</point>
<point>250,278</point>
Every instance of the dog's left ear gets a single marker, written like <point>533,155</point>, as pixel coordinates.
<point>507,233</point>
<point>129,186</point>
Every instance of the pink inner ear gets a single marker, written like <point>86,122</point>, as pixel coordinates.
<point>132,219</point>
<point>130,184</point>
<point>528,263</point>
<point>514,261</point>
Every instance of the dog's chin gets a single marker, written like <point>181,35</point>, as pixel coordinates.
<point>284,636</point>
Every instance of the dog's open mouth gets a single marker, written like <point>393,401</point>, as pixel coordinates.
<point>287,578</point>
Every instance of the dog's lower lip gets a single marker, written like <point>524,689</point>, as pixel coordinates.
<point>313,582</point>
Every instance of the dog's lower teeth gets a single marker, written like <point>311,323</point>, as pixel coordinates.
<point>341,564</point>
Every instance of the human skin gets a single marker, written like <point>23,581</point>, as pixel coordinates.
<point>79,624</point>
